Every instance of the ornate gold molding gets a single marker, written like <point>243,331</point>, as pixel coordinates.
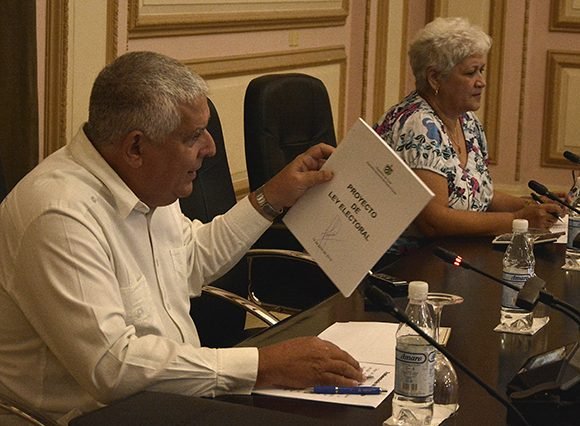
<point>112,29</point>
<point>564,17</point>
<point>405,41</point>
<point>494,77</point>
<point>382,40</point>
<point>554,111</point>
<point>297,15</point>
<point>55,76</point>
<point>266,62</point>
<point>521,105</point>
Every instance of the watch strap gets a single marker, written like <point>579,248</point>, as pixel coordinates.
<point>267,209</point>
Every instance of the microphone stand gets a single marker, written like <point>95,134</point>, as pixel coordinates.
<point>559,378</point>
<point>544,297</point>
<point>533,291</point>
<point>386,302</point>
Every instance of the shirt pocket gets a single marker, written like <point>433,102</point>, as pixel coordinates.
<point>181,271</point>
<point>179,261</point>
<point>138,303</point>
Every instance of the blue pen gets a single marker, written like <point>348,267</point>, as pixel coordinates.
<point>355,390</point>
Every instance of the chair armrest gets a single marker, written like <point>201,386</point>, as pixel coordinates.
<point>25,413</point>
<point>285,281</point>
<point>242,302</point>
<point>281,253</point>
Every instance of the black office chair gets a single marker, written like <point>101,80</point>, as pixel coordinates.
<point>220,322</point>
<point>284,115</point>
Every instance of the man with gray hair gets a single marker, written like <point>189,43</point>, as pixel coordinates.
<point>97,262</point>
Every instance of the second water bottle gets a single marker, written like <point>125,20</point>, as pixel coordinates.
<point>518,267</point>
<point>414,364</point>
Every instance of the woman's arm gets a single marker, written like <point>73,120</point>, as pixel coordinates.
<point>503,202</point>
<point>437,219</point>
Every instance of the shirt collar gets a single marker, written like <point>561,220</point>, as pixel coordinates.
<point>85,154</point>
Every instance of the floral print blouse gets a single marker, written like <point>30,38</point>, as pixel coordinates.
<point>415,132</point>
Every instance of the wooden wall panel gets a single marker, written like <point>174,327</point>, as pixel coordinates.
<point>562,109</point>
<point>158,18</point>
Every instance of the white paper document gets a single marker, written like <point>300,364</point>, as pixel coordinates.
<point>372,344</point>
<point>561,226</point>
<point>347,224</point>
<point>380,375</point>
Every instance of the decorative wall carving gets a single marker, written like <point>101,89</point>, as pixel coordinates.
<point>56,75</point>
<point>565,15</point>
<point>156,18</point>
<point>492,112</point>
<point>561,110</point>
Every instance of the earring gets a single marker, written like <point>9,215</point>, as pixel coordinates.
<point>436,91</point>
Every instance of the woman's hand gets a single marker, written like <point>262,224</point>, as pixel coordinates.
<point>540,216</point>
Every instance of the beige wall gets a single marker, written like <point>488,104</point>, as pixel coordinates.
<point>361,58</point>
<point>527,96</point>
<point>227,60</point>
<point>530,117</point>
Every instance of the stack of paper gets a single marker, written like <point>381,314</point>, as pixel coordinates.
<point>347,224</point>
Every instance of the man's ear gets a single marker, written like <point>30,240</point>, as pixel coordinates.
<point>132,148</point>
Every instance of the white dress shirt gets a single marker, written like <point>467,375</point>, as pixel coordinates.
<point>95,287</point>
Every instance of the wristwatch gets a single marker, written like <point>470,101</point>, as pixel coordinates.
<point>267,209</point>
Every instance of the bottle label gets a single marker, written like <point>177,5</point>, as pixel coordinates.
<point>509,296</point>
<point>414,369</point>
<point>573,231</point>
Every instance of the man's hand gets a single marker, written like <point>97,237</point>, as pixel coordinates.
<point>307,361</point>
<point>284,189</point>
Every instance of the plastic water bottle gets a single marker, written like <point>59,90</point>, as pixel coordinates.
<point>573,243</point>
<point>414,365</point>
<point>518,266</point>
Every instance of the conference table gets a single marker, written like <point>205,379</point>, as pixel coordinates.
<point>494,357</point>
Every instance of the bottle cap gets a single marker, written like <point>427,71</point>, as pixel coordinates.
<point>520,225</point>
<point>418,290</point>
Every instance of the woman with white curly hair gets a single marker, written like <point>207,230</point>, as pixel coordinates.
<point>436,133</point>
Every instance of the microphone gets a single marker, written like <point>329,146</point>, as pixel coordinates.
<point>542,190</point>
<point>457,260</point>
<point>570,156</point>
<point>528,298</point>
<point>529,294</point>
<point>550,379</point>
<point>385,301</point>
